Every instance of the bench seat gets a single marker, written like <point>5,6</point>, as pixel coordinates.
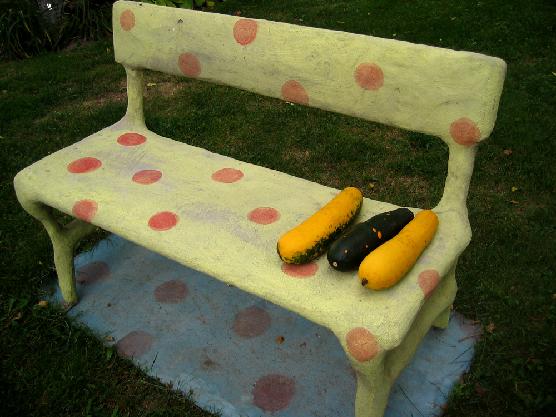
<point>223,217</point>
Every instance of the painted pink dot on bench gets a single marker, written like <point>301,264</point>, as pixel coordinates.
<point>264,215</point>
<point>300,271</point>
<point>135,344</point>
<point>362,344</point>
<point>131,139</point>
<point>84,165</point>
<point>465,132</point>
<point>92,272</point>
<point>127,20</point>
<point>369,76</point>
<point>146,176</point>
<point>428,280</point>
<point>189,65</point>
<point>251,322</point>
<point>273,392</point>
<point>227,175</point>
<point>294,92</point>
<point>164,220</point>
<point>85,209</point>
<point>245,31</point>
<point>171,292</point>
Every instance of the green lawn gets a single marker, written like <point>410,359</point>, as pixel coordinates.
<point>49,366</point>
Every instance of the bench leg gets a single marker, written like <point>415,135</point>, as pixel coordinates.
<point>374,381</point>
<point>64,240</point>
<point>373,390</point>
<point>63,261</point>
<point>442,320</point>
<point>376,377</point>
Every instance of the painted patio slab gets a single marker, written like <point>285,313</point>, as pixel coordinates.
<point>236,353</point>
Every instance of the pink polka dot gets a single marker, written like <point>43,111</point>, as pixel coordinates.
<point>361,344</point>
<point>147,176</point>
<point>273,392</point>
<point>465,132</point>
<point>294,92</point>
<point>227,175</point>
<point>245,31</point>
<point>85,210</point>
<point>127,20</point>
<point>300,271</point>
<point>369,76</point>
<point>164,220</point>
<point>83,165</point>
<point>189,65</point>
<point>92,272</point>
<point>250,322</point>
<point>171,292</point>
<point>135,344</point>
<point>131,139</point>
<point>264,215</point>
<point>428,280</point>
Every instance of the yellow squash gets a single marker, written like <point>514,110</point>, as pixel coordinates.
<point>388,263</point>
<point>312,237</point>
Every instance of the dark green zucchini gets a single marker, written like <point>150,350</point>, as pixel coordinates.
<point>349,250</point>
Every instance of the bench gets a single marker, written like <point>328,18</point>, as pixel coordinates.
<point>223,216</point>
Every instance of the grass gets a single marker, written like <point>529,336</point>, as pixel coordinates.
<point>50,366</point>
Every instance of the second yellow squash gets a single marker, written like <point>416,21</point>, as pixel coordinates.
<point>389,263</point>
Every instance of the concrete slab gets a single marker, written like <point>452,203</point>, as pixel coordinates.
<point>238,354</point>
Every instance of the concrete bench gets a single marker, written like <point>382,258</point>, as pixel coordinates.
<point>223,216</point>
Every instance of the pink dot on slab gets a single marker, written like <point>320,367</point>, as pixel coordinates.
<point>127,20</point>
<point>465,132</point>
<point>84,165</point>
<point>85,209</point>
<point>92,272</point>
<point>369,76</point>
<point>362,344</point>
<point>250,322</point>
<point>300,271</point>
<point>131,139</point>
<point>294,92</point>
<point>245,31</point>
<point>273,392</point>
<point>171,292</point>
<point>163,220</point>
<point>428,280</point>
<point>227,175</point>
<point>135,344</point>
<point>146,176</point>
<point>189,65</point>
<point>263,215</point>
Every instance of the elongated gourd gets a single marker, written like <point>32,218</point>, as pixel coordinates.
<point>347,252</point>
<point>389,263</point>
<point>312,237</point>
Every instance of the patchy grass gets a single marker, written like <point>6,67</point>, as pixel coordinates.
<point>50,366</point>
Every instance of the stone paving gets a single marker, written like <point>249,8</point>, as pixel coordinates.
<point>239,354</point>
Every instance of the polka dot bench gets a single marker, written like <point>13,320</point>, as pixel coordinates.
<point>223,216</point>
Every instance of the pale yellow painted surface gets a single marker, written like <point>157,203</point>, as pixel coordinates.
<point>424,89</point>
<point>215,235</point>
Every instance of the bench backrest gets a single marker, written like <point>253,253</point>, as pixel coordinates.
<point>450,94</point>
